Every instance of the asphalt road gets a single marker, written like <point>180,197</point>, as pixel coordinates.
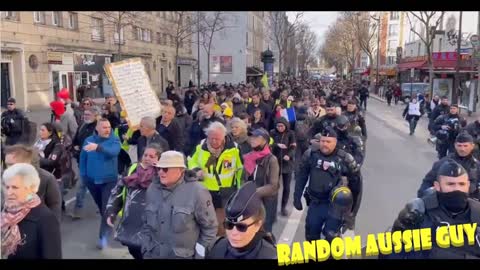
<point>394,167</point>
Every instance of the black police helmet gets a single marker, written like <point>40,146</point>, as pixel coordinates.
<point>341,199</point>
<point>451,168</point>
<point>342,122</point>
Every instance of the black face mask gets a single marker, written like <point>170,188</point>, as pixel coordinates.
<point>455,201</point>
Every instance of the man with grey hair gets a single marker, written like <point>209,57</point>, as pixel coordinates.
<point>218,157</point>
<point>148,135</point>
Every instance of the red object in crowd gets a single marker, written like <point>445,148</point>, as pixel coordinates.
<point>64,94</point>
<point>58,108</point>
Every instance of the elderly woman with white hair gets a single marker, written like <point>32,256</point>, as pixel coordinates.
<point>29,229</point>
<point>239,134</point>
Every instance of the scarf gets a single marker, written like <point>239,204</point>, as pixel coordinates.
<point>250,159</point>
<point>215,152</point>
<point>250,251</point>
<point>141,178</point>
<point>41,144</point>
<point>11,216</point>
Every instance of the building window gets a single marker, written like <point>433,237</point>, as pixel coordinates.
<point>118,36</point>
<point>159,38</point>
<point>394,15</point>
<point>419,48</point>
<point>39,17</point>
<point>72,20</point>
<point>147,35</point>
<point>440,44</point>
<point>164,39</point>
<point>172,41</point>
<point>392,45</point>
<point>97,29</point>
<point>393,30</point>
<point>10,15</point>
<point>180,44</point>
<point>57,18</point>
<point>391,60</point>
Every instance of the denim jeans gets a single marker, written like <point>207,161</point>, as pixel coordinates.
<point>100,194</point>
<point>81,192</point>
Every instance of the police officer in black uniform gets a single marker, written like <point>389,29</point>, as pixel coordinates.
<point>345,141</point>
<point>446,128</point>
<point>13,122</point>
<point>357,121</point>
<point>328,120</point>
<point>464,156</point>
<point>245,238</point>
<point>474,130</point>
<point>440,109</point>
<point>446,204</point>
<point>328,168</point>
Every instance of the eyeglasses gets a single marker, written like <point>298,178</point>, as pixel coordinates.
<point>241,227</point>
<point>86,103</point>
<point>10,104</point>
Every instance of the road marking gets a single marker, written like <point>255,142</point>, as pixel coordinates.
<point>70,201</point>
<point>291,227</point>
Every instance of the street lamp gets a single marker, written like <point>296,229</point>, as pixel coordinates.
<point>378,49</point>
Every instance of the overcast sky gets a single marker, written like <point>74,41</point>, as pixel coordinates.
<point>318,21</point>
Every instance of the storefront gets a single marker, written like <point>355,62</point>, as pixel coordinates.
<point>90,79</point>
<point>185,71</point>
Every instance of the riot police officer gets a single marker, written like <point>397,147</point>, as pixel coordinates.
<point>328,168</point>
<point>474,130</point>
<point>345,141</point>
<point>244,219</point>
<point>441,109</point>
<point>446,129</point>
<point>462,155</point>
<point>357,121</point>
<point>328,120</point>
<point>446,204</point>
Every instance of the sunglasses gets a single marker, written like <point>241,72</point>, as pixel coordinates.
<point>10,104</point>
<point>241,227</point>
<point>86,103</point>
<point>165,170</point>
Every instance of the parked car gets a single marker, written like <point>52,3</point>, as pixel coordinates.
<point>409,89</point>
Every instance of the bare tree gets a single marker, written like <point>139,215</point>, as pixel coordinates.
<point>306,41</point>
<point>430,22</point>
<point>117,21</point>
<point>182,28</point>
<point>281,31</point>
<point>211,23</point>
<point>366,32</point>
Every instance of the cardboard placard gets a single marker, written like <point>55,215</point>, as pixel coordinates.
<point>133,90</point>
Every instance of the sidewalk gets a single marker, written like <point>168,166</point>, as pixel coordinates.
<point>472,118</point>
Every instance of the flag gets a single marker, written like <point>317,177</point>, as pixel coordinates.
<point>265,81</point>
<point>289,114</point>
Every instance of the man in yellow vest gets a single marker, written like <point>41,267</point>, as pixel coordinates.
<point>218,158</point>
<point>124,133</point>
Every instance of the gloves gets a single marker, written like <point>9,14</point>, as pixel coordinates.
<point>410,216</point>
<point>297,203</point>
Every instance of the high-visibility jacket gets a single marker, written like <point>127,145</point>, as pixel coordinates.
<point>289,103</point>
<point>125,146</point>
<point>124,190</point>
<point>227,171</point>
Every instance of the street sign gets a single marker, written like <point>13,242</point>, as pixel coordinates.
<point>412,72</point>
<point>474,39</point>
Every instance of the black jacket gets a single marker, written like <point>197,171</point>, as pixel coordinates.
<point>49,192</point>
<point>267,113</point>
<point>455,122</point>
<point>12,126</point>
<point>51,161</point>
<point>439,110</point>
<point>259,248</point>
<point>288,139</point>
<point>357,119</point>
<point>474,130</point>
<point>189,100</point>
<point>364,93</point>
<point>197,133</point>
<point>173,134</point>
<point>471,164</point>
<point>141,143</point>
<point>85,131</point>
<point>322,123</point>
<point>41,232</point>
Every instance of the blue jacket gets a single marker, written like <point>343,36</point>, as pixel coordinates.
<point>100,166</point>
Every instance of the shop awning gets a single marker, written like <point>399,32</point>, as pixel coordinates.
<point>409,65</point>
<point>254,72</point>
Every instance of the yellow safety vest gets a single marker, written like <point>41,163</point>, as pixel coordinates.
<point>228,168</point>
<point>124,190</point>
<point>125,146</point>
<point>289,103</point>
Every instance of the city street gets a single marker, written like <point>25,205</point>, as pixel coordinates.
<point>394,167</point>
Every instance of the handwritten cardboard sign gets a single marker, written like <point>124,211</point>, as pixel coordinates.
<point>132,87</point>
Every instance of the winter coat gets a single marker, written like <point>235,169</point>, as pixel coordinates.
<point>412,110</point>
<point>173,134</point>
<point>12,125</point>
<point>266,112</point>
<point>177,218</point>
<point>243,144</point>
<point>141,143</point>
<point>51,160</point>
<point>266,177</point>
<point>100,166</point>
<point>68,122</point>
<point>287,138</point>
<point>85,131</point>
<point>238,108</point>
<point>49,192</point>
<point>40,230</point>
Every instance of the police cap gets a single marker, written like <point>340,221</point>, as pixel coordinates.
<point>244,203</point>
<point>464,137</point>
<point>342,122</point>
<point>329,132</point>
<point>451,168</point>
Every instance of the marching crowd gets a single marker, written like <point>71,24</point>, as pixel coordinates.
<point>210,169</point>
